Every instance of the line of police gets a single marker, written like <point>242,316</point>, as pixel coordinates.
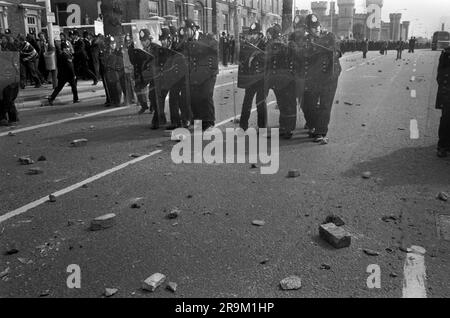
<point>301,68</point>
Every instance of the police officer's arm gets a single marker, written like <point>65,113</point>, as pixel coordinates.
<point>440,76</point>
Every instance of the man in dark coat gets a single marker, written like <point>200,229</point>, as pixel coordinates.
<point>224,44</point>
<point>66,74</point>
<point>443,103</point>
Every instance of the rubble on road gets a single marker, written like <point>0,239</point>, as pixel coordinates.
<point>367,175</point>
<point>370,252</point>
<point>443,196</point>
<point>135,155</point>
<point>175,213</point>
<point>34,171</point>
<point>389,218</point>
<point>291,283</point>
<point>79,142</point>
<point>293,173</point>
<point>11,134</point>
<point>5,273</point>
<point>42,158</point>
<point>258,223</point>
<point>153,282</point>
<point>103,222</point>
<point>26,160</point>
<point>44,293</point>
<point>325,267</point>
<point>171,286</point>
<point>12,251</point>
<point>109,292</point>
<point>348,103</point>
<point>51,198</point>
<point>335,236</point>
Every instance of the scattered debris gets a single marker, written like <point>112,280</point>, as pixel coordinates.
<point>12,251</point>
<point>291,283</point>
<point>293,173</point>
<point>171,286</point>
<point>175,213</point>
<point>51,198</point>
<point>44,293</point>
<point>336,220</point>
<point>264,261</point>
<point>34,171</point>
<point>367,175</point>
<point>325,267</point>
<point>153,282</point>
<point>109,292</point>
<point>404,249</point>
<point>258,223</point>
<point>407,88</point>
<point>389,218</point>
<point>135,206</point>
<point>25,261</point>
<point>79,142</point>
<point>335,236</point>
<point>5,272</point>
<point>363,125</point>
<point>348,103</point>
<point>443,196</point>
<point>337,102</point>
<point>26,160</point>
<point>42,158</point>
<point>135,155</point>
<point>389,250</point>
<point>393,275</point>
<point>11,134</point>
<point>190,196</point>
<point>371,252</point>
<point>254,166</point>
<point>103,222</point>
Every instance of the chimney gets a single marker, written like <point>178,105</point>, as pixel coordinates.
<point>443,26</point>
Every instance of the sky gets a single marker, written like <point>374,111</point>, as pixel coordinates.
<point>426,16</point>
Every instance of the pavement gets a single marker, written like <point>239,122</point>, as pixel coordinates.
<point>383,122</point>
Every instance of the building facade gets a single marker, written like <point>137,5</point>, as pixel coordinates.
<point>21,17</point>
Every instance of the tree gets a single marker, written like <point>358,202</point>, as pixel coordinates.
<point>112,11</point>
<point>287,15</point>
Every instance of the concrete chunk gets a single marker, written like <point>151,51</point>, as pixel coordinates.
<point>103,222</point>
<point>79,142</point>
<point>291,283</point>
<point>153,282</point>
<point>26,160</point>
<point>335,236</point>
<point>35,171</point>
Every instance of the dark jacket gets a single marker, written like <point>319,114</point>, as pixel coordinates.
<point>66,70</point>
<point>443,78</point>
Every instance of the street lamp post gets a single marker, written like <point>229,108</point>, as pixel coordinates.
<point>50,17</point>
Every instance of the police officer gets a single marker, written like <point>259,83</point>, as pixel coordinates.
<point>112,71</point>
<point>280,77</point>
<point>322,69</point>
<point>251,76</point>
<point>138,61</point>
<point>202,53</point>
<point>443,103</point>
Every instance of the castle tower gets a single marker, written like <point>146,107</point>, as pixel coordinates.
<point>346,14</point>
<point>319,8</point>
<point>405,30</point>
<point>374,34</point>
<point>395,32</point>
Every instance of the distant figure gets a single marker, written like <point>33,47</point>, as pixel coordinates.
<point>224,43</point>
<point>399,49</point>
<point>443,103</point>
<point>232,49</point>
<point>412,44</point>
<point>365,48</point>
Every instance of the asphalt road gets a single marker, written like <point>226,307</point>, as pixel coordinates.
<point>383,122</point>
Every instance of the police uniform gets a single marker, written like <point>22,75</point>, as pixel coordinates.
<point>251,77</point>
<point>443,102</point>
<point>203,65</point>
<point>112,72</point>
<point>280,77</point>
<point>322,69</point>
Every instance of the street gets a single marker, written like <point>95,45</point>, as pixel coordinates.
<point>384,123</point>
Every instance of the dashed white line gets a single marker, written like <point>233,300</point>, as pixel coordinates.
<point>414,271</point>
<point>71,188</point>
<point>413,79</point>
<point>351,69</point>
<point>414,70</point>
<point>414,129</point>
<point>413,93</point>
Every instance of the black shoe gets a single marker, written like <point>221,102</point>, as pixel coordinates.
<point>95,83</point>
<point>154,126</point>
<point>76,101</point>
<point>287,135</point>
<point>50,101</point>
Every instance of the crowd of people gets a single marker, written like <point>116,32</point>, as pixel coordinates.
<point>227,49</point>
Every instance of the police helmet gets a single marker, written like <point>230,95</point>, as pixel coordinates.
<point>109,40</point>
<point>164,34</point>
<point>299,22</point>
<point>173,31</point>
<point>274,31</point>
<point>255,28</point>
<point>312,21</point>
<point>188,23</point>
<point>144,35</point>
<point>7,31</point>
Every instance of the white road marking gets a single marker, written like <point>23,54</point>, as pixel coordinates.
<point>239,116</point>
<point>224,85</point>
<point>71,188</point>
<point>414,129</point>
<point>413,93</point>
<point>414,272</point>
<point>351,69</point>
<point>16,131</point>
<point>414,70</point>
<point>413,79</point>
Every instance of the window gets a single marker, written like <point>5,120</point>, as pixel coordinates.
<point>178,12</point>
<point>153,8</point>
<point>199,15</point>
<point>225,22</point>
<point>31,25</point>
